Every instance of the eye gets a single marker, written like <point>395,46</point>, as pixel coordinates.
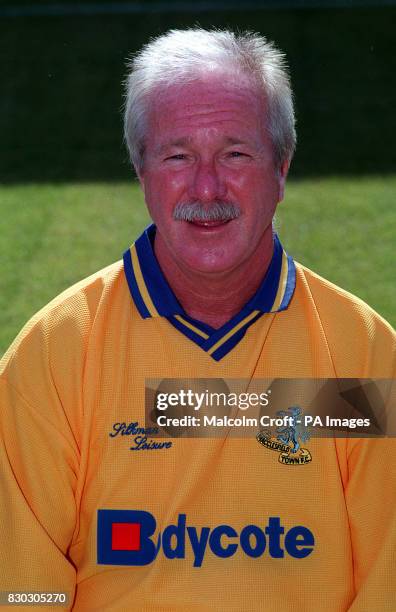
<point>177,157</point>
<point>237,154</point>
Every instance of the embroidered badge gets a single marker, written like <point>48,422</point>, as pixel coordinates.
<point>286,439</point>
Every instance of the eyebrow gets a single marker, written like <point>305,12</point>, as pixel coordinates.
<point>179,142</point>
<point>182,142</point>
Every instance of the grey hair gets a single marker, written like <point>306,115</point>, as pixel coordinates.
<point>181,56</point>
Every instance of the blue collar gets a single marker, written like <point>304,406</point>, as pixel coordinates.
<point>154,298</point>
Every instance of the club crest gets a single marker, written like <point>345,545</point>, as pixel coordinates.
<point>287,438</point>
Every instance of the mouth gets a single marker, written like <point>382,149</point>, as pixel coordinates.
<point>209,224</point>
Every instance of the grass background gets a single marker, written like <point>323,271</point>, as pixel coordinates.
<point>56,234</point>
<point>68,203</point>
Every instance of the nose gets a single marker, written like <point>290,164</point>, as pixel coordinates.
<point>207,185</point>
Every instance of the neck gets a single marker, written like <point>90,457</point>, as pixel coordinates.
<point>215,299</point>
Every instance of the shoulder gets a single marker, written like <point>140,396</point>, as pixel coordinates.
<point>64,324</point>
<point>339,306</point>
<point>354,331</point>
<point>46,365</point>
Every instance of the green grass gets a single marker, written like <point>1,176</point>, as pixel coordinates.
<point>55,234</point>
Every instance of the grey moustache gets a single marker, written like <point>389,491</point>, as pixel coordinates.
<point>195,211</point>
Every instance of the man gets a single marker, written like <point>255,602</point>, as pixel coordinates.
<point>207,292</point>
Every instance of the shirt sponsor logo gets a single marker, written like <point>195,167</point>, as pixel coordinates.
<point>141,439</point>
<point>127,537</point>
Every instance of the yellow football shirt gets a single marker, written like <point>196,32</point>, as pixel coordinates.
<point>200,523</point>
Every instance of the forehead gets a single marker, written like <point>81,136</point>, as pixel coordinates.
<point>223,110</point>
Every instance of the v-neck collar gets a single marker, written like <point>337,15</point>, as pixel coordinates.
<point>153,296</point>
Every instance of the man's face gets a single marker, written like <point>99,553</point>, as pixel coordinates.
<point>206,144</point>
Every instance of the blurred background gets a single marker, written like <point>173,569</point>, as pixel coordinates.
<point>69,202</point>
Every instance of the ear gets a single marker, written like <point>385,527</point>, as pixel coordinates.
<point>284,169</point>
<point>140,176</point>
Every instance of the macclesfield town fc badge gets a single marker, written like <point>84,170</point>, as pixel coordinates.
<point>288,437</point>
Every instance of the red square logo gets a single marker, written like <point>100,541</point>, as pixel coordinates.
<point>125,536</point>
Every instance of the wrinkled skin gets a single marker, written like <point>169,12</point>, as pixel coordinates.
<point>207,142</point>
